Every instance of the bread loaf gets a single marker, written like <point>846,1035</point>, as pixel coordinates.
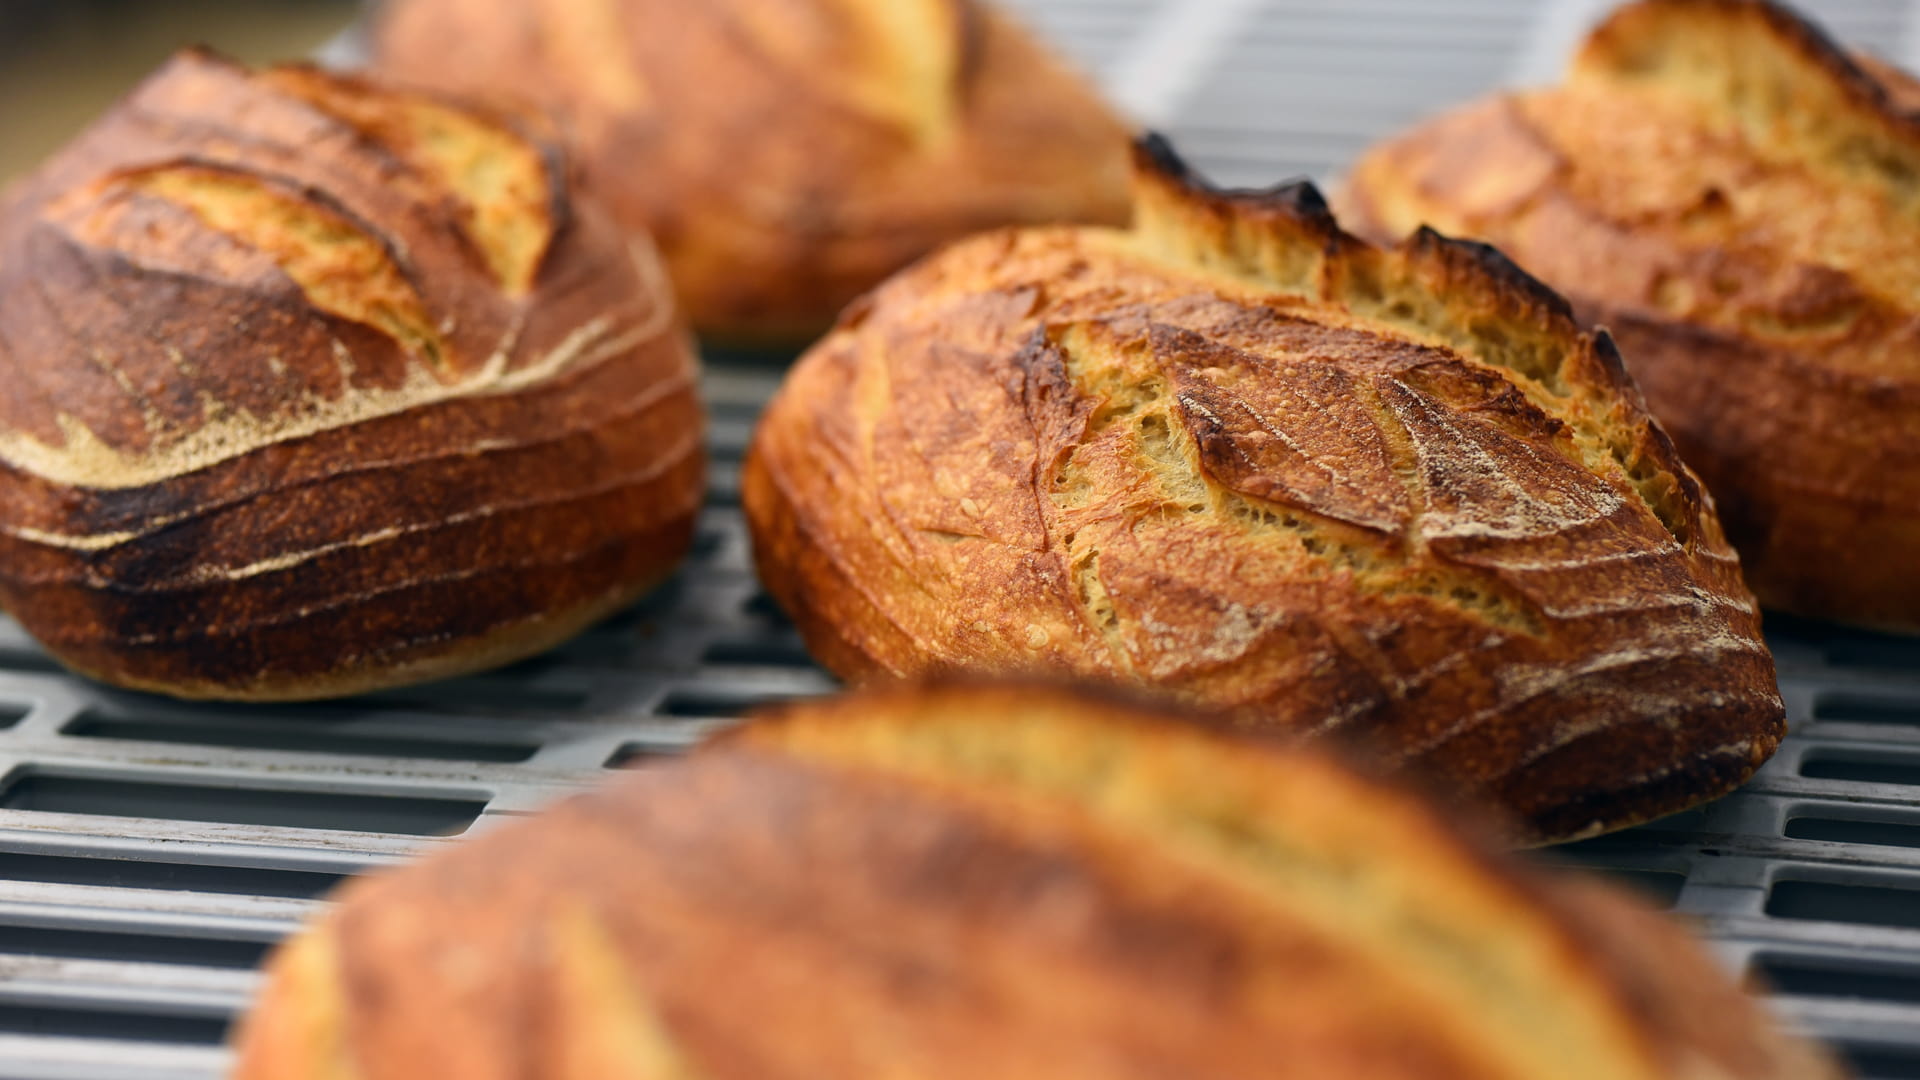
<point>1237,456</point>
<point>312,388</point>
<point>787,154</point>
<point>999,882</point>
<point>1738,202</point>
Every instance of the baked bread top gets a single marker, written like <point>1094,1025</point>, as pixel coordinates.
<point>1241,457</point>
<point>996,881</point>
<point>1740,201</point>
<point>313,387</point>
<point>788,154</point>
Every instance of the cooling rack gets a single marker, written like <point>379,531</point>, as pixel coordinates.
<point>151,851</point>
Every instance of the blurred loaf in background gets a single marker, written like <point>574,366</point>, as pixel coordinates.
<point>786,154</point>
<point>1738,201</point>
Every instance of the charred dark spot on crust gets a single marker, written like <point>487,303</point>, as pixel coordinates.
<point>1154,153</point>
<point>1607,352</point>
<point>1298,198</point>
<point>1491,263</point>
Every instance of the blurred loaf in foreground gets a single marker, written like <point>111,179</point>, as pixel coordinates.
<point>1000,882</point>
<point>312,388</point>
<point>1739,202</point>
<point>1239,457</point>
<point>787,154</point>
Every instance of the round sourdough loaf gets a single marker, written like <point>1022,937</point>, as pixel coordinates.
<point>1237,456</point>
<point>787,154</point>
<point>311,388</point>
<point>1006,882</point>
<point>1739,202</point>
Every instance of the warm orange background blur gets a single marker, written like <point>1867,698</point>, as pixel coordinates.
<point>63,61</point>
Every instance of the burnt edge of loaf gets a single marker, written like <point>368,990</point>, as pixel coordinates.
<point>1493,264</point>
<point>1301,202</point>
<point>1299,197</point>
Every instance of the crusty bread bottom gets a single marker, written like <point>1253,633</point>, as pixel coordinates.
<point>496,648</point>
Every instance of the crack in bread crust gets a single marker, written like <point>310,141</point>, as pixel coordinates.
<point>1240,457</point>
<point>504,184</point>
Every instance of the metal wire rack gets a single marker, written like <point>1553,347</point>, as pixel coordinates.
<point>151,851</point>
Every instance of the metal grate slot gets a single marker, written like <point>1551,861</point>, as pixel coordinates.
<point>503,693</point>
<point>1863,905</point>
<point>1861,767</point>
<point>172,876</point>
<point>667,598</point>
<point>1658,887</point>
<point>736,410</point>
<point>284,735</point>
<point>1657,878</point>
<point>1876,653</point>
<point>710,702</point>
<point>762,605</point>
<point>112,1025</point>
<point>1813,978</point>
<point>1838,830</point>
<point>15,658</point>
<point>706,544</point>
<point>723,482</point>
<point>784,651</point>
<point>1882,1063</point>
<point>632,755</point>
<point>1842,709</point>
<point>135,948</point>
<point>52,792</point>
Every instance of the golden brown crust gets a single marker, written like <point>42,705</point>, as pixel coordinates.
<point>788,154</point>
<point>1240,457</point>
<point>315,388</point>
<point>1004,881</point>
<point>1736,199</point>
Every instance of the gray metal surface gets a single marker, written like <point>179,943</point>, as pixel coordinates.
<point>150,851</point>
